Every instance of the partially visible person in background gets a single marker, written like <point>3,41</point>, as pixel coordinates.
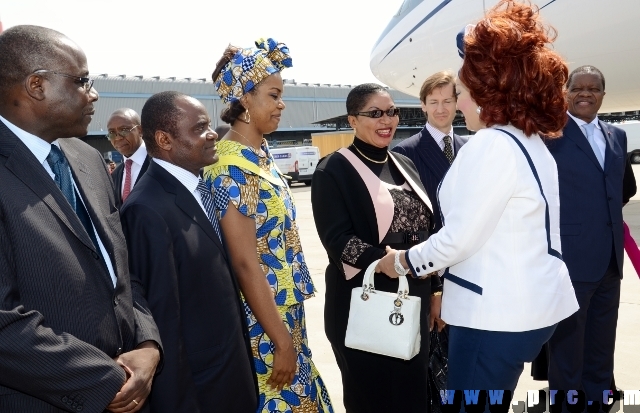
<point>258,218</point>
<point>125,134</point>
<point>434,148</point>
<point>222,129</point>
<point>110,165</point>
<point>365,199</point>
<point>506,286</point>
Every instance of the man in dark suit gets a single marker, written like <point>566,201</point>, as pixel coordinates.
<point>592,160</point>
<point>433,149</point>
<point>125,134</point>
<point>176,252</point>
<point>74,336</point>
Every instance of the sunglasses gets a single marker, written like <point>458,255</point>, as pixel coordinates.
<point>378,113</point>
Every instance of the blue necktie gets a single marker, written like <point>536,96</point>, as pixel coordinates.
<point>60,167</point>
<point>588,129</point>
<point>207,202</point>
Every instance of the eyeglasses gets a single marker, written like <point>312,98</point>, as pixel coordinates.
<point>123,133</point>
<point>378,113</point>
<point>87,83</point>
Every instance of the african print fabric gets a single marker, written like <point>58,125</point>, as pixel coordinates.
<point>282,261</point>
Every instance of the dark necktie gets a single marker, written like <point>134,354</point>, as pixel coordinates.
<point>60,167</point>
<point>127,179</point>
<point>448,149</point>
<point>207,202</point>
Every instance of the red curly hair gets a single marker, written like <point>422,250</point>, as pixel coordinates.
<point>512,74</point>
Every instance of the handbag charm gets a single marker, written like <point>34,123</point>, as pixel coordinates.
<point>382,322</point>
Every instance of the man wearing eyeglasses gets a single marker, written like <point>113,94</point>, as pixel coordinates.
<point>125,134</point>
<point>74,334</point>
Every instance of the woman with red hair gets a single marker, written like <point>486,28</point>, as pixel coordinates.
<point>506,286</point>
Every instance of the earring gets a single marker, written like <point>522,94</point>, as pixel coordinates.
<point>247,116</point>
<point>478,110</point>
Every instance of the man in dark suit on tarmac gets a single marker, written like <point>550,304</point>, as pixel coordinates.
<point>433,149</point>
<point>176,252</point>
<point>595,182</point>
<point>125,134</point>
<point>74,336</point>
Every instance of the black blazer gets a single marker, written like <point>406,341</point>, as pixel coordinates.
<point>431,163</point>
<point>118,175</point>
<point>591,200</point>
<point>177,259</point>
<point>61,320</point>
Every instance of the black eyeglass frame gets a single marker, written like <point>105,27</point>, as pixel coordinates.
<point>87,83</point>
<point>123,133</point>
<point>377,113</point>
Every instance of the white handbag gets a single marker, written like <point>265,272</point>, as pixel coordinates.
<point>384,323</point>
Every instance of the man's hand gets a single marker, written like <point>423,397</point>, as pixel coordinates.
<point>434,314</point>
<point>140,366</point>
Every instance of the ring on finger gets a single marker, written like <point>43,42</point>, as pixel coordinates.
<point>134,400</point>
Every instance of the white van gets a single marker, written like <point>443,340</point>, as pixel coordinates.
<point>298,162</point>
<point>632,128</point>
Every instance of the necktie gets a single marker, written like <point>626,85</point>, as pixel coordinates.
<point>589,128</point>
<point>207,202</point>
<point>448,149</point>
<point>127,179</point>
<point>60,167</point>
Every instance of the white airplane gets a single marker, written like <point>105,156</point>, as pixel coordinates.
<point>421,40</point>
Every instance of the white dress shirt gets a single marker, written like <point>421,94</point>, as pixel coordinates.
<point>40,149</point>
<point>438,136</point>
<point>598,135</point>
<point>186,178</point>
<point>137,159</point>
<point>501,238</point>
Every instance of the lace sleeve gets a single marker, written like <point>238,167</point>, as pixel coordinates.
<point>353,250</point>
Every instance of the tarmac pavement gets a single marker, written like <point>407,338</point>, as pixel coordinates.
<point>627,362</point>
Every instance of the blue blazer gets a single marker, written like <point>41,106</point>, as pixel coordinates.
<point>591,200</point>
<point>431,163</point>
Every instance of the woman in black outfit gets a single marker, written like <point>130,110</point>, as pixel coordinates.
<point>355,230</point>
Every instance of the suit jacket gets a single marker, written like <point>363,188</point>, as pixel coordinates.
<point>177,258</point>
<point>118,176</point>
<point>500,240</point>
<point>61,320</point>
<point>431,163</point>
<point>591,200</point>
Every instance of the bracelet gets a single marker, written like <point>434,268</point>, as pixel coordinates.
<point>437,293</point>
<point>397,266</point>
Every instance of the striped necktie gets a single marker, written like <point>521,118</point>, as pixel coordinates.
<point>207,202</point>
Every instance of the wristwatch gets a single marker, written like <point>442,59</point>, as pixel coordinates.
<point>397,266</point>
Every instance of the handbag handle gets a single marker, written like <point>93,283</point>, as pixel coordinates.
<point>368,283</point>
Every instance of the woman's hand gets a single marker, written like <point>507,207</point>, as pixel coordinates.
<point>284,365</point>
<point>386,264</point>
<point>434,314</point>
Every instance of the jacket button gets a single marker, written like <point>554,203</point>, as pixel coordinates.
<point>608,224</point>
<point>609,198</point>
<point>424,267</point>
<point>64,399</point>
<point>95,255</point>
<point>79,409</point>
<point>417,269</point>
<point>119,351</point>
<point>430,264</point>
<point>115,301</point>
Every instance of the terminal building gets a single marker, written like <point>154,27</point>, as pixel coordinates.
<point>311,108</point>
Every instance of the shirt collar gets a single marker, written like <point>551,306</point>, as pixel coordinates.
<point>438,135</point>
<point>581,123</point>
<point>39,147</point>
<point>186,178</point>
<point>139,156</point>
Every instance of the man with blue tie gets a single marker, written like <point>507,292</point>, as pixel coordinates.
<point>595,182</point>
<point>74,334</point>
<point>177,256</point>
<point>433,149</point>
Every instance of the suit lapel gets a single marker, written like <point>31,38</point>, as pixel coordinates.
<point>574,132</point>
<point>24,165</point>
<point>143,169</point>
<point>413,180</point>
<point>431,154</point>
<point>458,142</point>
<point>610,149</point>
<point>186,202</point>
